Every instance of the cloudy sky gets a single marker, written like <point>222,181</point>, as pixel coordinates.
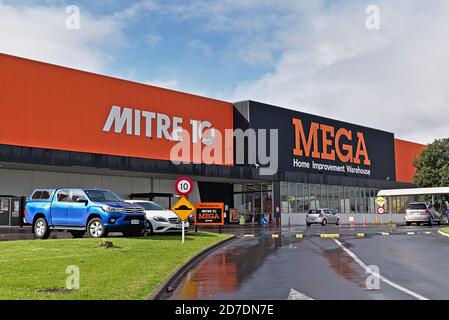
<point>316,56</point>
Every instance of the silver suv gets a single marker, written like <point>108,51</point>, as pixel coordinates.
<point>322,216</point>
<point>421,212</point>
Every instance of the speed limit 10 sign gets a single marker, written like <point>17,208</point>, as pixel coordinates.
<point>381,210</point>
<point>184,186</point>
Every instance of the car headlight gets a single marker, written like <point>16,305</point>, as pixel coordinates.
<point>111,209</point>
<point>160,219</point>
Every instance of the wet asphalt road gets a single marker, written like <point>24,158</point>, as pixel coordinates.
<point>262,267</point>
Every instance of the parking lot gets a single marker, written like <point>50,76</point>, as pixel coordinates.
<point>269,264</point>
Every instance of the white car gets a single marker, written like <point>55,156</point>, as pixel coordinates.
<point>158,219</point>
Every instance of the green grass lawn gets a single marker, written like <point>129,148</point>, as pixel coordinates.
<point>445,230</point>
<point>132,269</point>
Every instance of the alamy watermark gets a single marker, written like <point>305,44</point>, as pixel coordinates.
<point>73,19</point>
<point>372,22</point>
<point>251,147</point>
<point>72,281</point>
<point>373,280</point>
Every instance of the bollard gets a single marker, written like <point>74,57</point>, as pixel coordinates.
<point>289,225</point>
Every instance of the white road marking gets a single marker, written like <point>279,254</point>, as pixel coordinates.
<point>296,295</point>
<point>368,270</point>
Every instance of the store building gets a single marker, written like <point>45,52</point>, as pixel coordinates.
<point>67,128</point>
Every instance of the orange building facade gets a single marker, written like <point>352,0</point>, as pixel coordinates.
<point>405,152</point>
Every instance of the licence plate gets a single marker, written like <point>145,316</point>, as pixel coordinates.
<point>135,221</point>
<point>179,226</point>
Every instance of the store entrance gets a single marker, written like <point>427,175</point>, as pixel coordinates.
<point>254,202</point>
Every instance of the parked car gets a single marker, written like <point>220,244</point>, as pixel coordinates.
<point>322,216</point>
<point>422,212</point>
<point>79,210</point>
<point>159,219</point>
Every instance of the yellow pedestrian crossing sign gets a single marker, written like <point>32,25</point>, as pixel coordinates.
<point>183,208</point>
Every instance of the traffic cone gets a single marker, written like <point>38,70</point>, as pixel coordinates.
<point>353,222</point>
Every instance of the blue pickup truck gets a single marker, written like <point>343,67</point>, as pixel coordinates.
<point>79,210</point>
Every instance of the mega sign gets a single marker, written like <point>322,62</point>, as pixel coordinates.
<point>325,142</point>
<point>316,144</point>
<point>332,143</point>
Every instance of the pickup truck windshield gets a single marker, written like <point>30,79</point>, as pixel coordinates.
<point>102,196</point>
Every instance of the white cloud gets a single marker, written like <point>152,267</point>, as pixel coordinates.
<point>136,9</point>
<point>325,61</point>
<point>172,84</point>
<point>153,39</point>
<point>39,32</point>
<point>199,46</point>
<point>393,79</point>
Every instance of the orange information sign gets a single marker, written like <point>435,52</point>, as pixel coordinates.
<point>209,214</point>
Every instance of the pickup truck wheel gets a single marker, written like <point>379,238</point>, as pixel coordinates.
<point>96,228</point>
<point>77,234</point>
<point>41,230</point>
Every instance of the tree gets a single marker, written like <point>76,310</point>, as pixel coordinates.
<point>432,166</point>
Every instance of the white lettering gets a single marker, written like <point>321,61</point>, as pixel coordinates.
<point>149,116</point>
<point>163,124</point>
<point>120,119</point>
<point>169,128</point>
<point>194,125</point>
<point>137,122</point>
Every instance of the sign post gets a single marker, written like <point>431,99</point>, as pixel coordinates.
<point>183,208</point>
<point>381,211</point>
<point>381,201</point>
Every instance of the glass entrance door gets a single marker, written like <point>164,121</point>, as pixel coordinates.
<point>249,213</point>
<point>254,202</point>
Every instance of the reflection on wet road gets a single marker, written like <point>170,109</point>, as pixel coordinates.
<point>263,267</point>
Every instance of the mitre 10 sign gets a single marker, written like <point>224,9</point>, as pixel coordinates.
<point>209,214</point>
